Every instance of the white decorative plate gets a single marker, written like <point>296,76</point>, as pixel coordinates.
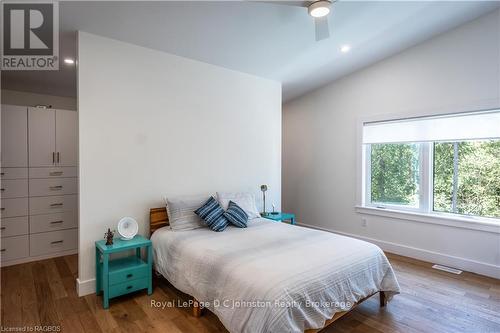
<point>127,228</point>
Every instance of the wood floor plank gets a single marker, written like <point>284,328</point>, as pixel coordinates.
<point>103,317</point>
<point>11,297</point>
<point>89,322</point>
<point>62,267</point>
<point>431,301</point>
<point>46,306</point>
<point>29,307</point>
<point>56,284</point>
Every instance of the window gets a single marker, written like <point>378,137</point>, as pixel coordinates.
<point>447,164</point>
<point>467,177</point>
<point>395,174</point>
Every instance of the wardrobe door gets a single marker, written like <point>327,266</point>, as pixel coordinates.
<point>14,136</point>
<point>42,139</point>
<point>66,138</point>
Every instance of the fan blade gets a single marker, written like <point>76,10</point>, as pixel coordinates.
<point>321,28</point>
<point>297,3</point>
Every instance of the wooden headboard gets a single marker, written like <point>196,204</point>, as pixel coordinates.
<point>158,218</point>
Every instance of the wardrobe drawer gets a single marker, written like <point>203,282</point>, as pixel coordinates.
<point>54,241</point>
<point>14,226</point>
<point>14,188</point>
<point>53,204</point>
<point>51,222</point>
<point>15,248</point>
<point>54,172</point>
<point>60,186</point>
<point>14,173</point>
<point>14,207</point>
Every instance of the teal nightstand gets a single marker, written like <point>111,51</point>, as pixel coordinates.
<point>124,275</point>
<point>280,217</point>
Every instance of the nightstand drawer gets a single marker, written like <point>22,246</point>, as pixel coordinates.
<point>127,287</point>
<point>130,274</point>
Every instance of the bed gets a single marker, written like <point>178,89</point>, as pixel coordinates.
<point>271,276</point>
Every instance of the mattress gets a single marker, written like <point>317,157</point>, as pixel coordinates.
<point>271,276</point>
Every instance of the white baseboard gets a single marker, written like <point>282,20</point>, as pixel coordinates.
<point>37,258</point>
<point>425,255</point>
<point>85,287</point>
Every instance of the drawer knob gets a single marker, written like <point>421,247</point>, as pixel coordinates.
<point>2,228</point>
<point>56,204</point>
<point>3,208</point>
<point>129,276</point>
<point>56,222</point>
<point>129,287</point>
<point>58,187</point>
<point>56,242</point>
<point>2,173</point>
<point>2,189</point>
<point>3,250</point>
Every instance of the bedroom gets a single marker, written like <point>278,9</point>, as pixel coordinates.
<point>375,138</point>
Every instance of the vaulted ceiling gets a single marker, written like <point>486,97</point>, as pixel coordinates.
<point>270,40</point>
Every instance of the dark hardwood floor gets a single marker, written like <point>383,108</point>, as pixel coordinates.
<point>43,293</point>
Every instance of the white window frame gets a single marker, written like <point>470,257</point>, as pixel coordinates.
<point>423,202</point>
<point>425,212</point>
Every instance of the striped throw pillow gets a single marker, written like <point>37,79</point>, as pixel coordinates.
<point>236,215</point>
<point>212,213</point>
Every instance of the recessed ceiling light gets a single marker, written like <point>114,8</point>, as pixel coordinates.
<point>69,61</point>
<point>345,48</point>
<point>319,8</point>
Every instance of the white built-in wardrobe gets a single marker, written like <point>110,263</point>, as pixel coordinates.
<point>39,184</point>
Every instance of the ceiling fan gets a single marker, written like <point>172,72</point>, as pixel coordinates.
<point>319,11</point>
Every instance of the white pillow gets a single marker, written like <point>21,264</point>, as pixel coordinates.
<point>181,213</point>
<point>245,200</point>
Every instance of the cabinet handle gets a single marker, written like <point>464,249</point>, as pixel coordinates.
<point>129,276</point>
<point>3,250</point>
<point>129,287</point>
<point>3,208</point>
<point>56,242</point>
<point>56,204</point>
<point>58,157</point>
<point>56,222</point>
<point>2,228</point>
<point>58,187</point>
<point>55,173</point>
<point>53,157</point>
<point>2,173</point>
<point>2,189</point>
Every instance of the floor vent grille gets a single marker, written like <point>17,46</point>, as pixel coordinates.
<point>447,269</point>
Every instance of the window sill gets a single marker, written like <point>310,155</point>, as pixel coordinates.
<point>472,223</point>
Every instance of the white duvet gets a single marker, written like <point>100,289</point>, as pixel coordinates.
<point>271,276</point>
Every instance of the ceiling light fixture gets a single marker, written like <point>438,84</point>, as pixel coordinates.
<point>69,61</point>
<point>345,48</point>
<point>319,8</point>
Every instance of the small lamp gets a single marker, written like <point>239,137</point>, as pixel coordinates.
<point>263,188</point>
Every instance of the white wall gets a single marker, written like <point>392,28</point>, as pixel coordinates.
<point>155,124</point>
<point>14,97</point>
<point>456,71</point>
